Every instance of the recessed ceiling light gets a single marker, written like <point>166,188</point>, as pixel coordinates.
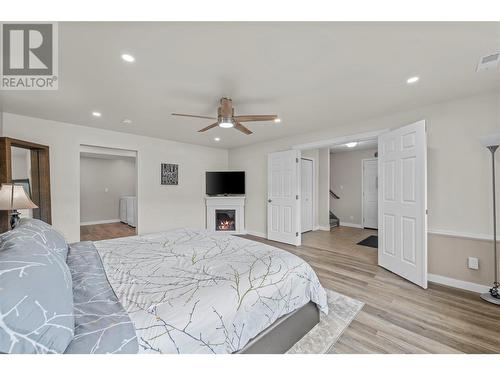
<point>127,121</point>
<point>412,80</point>
<point>351,144</point>
<point>128,58</point>
<point>96,114</point>
<point>216,139</point>
<point>226,124</point>
<point>277,120</point>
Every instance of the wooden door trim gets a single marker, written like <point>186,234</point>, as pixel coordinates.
<point>41,167</point>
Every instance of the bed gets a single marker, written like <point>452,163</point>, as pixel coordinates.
<point>188,291</point>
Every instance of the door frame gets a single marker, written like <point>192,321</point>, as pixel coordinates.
<point>313,193</point>
<point>111,151</point>
<point>362,190</point>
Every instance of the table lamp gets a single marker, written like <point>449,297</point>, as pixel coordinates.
<point>12,198</point>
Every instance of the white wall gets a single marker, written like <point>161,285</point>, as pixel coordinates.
<point>458,167</point>
<point>102,182</point>
<point>159,207</point>
<point>345,181</point>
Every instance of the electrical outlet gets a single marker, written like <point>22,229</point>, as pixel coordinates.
<point>473,263</point>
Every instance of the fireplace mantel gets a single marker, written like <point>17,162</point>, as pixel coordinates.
<point>226,203</point>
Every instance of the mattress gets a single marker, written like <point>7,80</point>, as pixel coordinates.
<point>195,291</point>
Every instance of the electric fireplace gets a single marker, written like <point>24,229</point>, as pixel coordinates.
<point>226,214</point>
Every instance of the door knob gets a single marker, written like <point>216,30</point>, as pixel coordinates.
<point>269,200</point>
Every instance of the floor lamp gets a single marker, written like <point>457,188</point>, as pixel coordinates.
<point>491,142</point>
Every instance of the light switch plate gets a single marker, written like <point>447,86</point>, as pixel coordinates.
<point>473,263</point>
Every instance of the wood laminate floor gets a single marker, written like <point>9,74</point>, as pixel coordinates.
<point>105,231</point>
<point>398,316</point>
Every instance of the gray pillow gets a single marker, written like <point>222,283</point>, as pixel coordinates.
<point>46,234</point>
<point>36,299</point>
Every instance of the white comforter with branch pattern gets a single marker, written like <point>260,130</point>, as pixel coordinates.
<point>192,291</point>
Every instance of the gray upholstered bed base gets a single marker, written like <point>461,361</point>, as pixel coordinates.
<point>285,332</point>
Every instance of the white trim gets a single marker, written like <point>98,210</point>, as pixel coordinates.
<point>99,222</point>
<point>340,140</point>
<point>352,225</point>
<point>322,227</point>
<point>460,284</point>
<point>363,189</point>
<point>257,234</point>
<point>450,233</point>
<point>313,190</point>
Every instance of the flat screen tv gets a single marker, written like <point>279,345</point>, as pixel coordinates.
<point>225,183</point>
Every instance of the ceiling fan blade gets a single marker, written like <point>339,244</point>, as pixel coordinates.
<point>242,128</point>
<point>255,118</point>
<point>185,115</point>
<point>208,127</point>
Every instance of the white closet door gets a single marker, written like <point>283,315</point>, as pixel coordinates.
<point>402,157</point>
<point>283,204</point>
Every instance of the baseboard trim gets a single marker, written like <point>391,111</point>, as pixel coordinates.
<point>352,225</point>
<point>256,234</point>
<point>100,222</point>
<point>321,227</point>
<point>455,283</point>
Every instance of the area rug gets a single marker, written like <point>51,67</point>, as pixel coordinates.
<point>371,241</point>
<point>323,337</point>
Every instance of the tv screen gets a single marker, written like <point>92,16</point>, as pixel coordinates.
<point>225,183</point>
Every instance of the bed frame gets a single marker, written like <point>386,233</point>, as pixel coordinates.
<point>285,332</point>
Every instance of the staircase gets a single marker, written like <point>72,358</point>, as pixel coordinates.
<point>334,220</point>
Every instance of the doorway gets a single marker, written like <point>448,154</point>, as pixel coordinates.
<point>108,191</point>
<point>402,196</point>
<point>307,194</point>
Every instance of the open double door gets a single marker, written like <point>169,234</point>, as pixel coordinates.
<point>402,201</point>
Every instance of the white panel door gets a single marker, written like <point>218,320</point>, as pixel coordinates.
<point>370,193</point>
<point>283,205</point>
<point>306,195</point>
<point>402,162</point>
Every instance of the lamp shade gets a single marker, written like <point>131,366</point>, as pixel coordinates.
<point>490,140</point>
<point>13,197</point>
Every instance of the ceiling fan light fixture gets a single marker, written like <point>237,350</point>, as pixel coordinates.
<point>351,144</point>
<point>226,123</point>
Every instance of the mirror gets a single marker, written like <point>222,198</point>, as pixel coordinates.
<point>26,164</point>
<point>21,174</point>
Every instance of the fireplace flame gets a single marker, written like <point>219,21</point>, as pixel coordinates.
<point>226,225</point>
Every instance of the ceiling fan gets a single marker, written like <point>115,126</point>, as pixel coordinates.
<point>226,118</point>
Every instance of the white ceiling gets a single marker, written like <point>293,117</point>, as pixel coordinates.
<point>313,75</point>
